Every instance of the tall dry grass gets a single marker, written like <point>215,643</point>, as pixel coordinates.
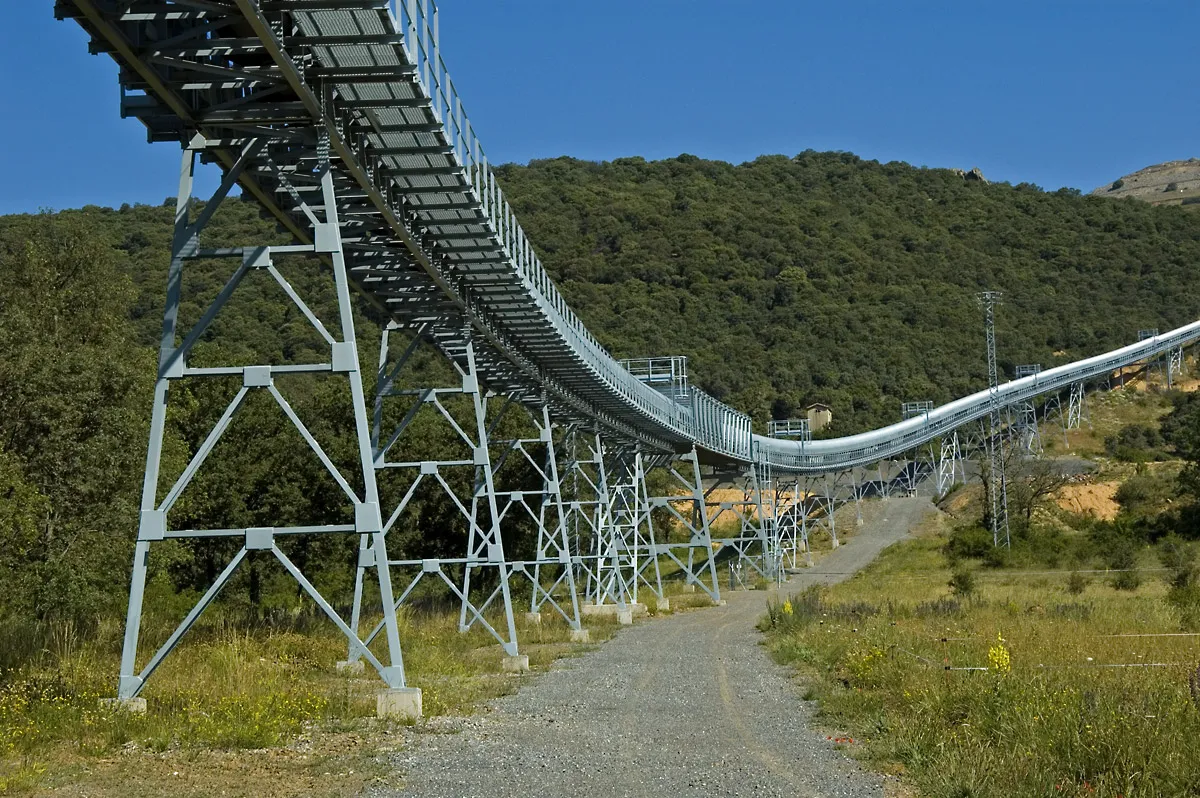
<point>1011,690</point>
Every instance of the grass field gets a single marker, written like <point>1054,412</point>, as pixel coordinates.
<point>236,710</point>
<point>1021,687</point>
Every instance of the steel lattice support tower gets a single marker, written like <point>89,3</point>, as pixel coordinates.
<point>753,542</point>
<point>1174,365</point>
<point>950,464</point>
<point>997,484</point>
<point>255,262</point>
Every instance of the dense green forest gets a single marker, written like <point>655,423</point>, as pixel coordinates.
<point>785,280</point>
<point>825,277</point>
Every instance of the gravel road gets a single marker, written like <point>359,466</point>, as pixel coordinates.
<point>687,705</point>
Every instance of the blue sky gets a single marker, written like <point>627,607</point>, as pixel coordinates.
<point>1056,92</point>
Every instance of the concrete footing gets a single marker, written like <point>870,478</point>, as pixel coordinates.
<point>689,588</point>
<point>515,664</point>
<point>351,667</point>
<point>533,618</point>
<point>603,610</point>
<point>399,703</point>
<point>134,706</point>
<point>662,605</point>
<point>625,617</point>
<point>597,609</point>
<point>580,636</point>
<point>720,603</point>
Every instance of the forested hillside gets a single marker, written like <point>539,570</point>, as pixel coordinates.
<point>785,280</point>
<point>827,277</point>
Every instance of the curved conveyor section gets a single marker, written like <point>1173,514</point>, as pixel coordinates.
<point>869,447</point>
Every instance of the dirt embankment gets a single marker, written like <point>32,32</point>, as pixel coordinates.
<point>1094,498</point>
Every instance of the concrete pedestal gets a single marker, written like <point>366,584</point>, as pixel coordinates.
<point>517,664</point>
<point>399,703</point>
<point>604,610</point>
<point>352,667</point>
<point>580,636</point>
<point>625,617</point>
<point>533,618</point>
<point>663,605</point>
<point>134,706</point>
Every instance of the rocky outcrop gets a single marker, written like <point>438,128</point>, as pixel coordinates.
<point>973,175</point>
<point>1164,183</point>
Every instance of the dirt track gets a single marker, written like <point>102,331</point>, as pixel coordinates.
<point>687,705</point>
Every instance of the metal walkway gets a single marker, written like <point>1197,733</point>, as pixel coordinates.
<point>340,119</point>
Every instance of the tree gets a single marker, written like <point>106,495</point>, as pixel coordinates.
<point>73,386</point>
<point>1031,483</point>
<point>1181,431</point>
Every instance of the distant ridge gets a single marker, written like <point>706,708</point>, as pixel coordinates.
<point>1169,183</point>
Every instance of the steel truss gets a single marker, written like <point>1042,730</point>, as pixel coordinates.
<point>550,572</point>
<point>610,517</point>
<point>633,562</point>
<point>767,497</point>
<point>1023,423</point>
<point>753,513</point>
<point>339,119</point>
<point>595,560</point>
<point>689,511</point>
<point>1077,411</point>
<point>820,500</point>
<point>460,409</point>
<point>1174,365</point>
<point>322,214</point>
<point>997,485</point>
<point>791,531</point>
<point>951,468</point>
<point>806,506</point>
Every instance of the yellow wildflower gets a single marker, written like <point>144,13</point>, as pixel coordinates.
<point>999,659</point>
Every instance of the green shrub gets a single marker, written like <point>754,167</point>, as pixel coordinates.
<point>1122,558</point>
<point>1179,556</point>
<point>1135,443</point>
<point>1126,580</point>
<point>1186,599</point>
<point>1076,583</point>
<point>962,583</point>
<point>969,541</point>
<point>998,557</point>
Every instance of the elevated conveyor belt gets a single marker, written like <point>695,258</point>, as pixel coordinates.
<point>430,238</point>
<point>868,447</point>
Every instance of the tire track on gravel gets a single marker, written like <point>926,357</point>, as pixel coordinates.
<point>687,706</point>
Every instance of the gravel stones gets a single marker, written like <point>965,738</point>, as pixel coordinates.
<point>681,706</point>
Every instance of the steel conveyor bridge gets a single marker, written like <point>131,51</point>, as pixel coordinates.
<point>340,119</point>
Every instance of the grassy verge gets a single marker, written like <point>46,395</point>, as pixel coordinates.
<point>1004,691</point>
<point>236,710</point>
